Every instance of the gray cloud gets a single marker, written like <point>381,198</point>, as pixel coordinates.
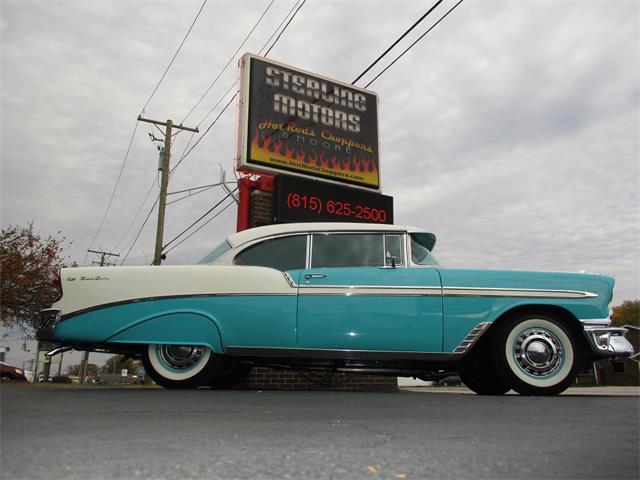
<point>511,130</point>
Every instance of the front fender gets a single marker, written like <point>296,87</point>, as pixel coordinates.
<point>176,328</point>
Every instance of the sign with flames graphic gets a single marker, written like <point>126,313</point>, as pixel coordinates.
<point>303,124</point>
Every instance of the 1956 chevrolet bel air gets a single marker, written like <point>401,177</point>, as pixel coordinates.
<point>343,297</point>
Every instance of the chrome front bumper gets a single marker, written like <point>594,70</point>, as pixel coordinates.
<point>607,341</point>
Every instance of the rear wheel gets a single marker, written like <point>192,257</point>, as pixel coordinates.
<point>536,355</point>
<point>180,366</point>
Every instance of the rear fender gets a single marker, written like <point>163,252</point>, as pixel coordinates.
<point>175,328</point>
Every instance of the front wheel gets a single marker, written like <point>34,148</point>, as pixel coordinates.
<point>536,355</point>
<point>180,366</point>
<point>480,376</point>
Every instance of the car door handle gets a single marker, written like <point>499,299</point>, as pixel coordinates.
<point>309,276</point>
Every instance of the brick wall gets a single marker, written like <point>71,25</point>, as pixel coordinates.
<point>262,378</point>
<point>261,213</point>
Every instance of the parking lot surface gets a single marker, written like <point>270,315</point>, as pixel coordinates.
<point>108,433</point>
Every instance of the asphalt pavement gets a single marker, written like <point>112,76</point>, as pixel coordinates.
<point>150,433</point>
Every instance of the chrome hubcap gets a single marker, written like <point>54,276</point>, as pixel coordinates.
<point>538,352</point>
<point>180,357</point>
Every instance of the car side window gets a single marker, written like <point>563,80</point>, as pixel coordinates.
<point>420,254</point>
<point>285,253</point>
<point>347,250</point>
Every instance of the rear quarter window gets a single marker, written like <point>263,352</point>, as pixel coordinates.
<point>285,253</point>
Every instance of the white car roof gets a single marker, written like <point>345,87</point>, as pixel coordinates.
<point>257,233</point>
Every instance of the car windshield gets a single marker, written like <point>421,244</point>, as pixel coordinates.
<point>214,254</point>
<point>420,254</point>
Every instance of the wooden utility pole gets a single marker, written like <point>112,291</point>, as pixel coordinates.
<point>164,181</point>
<point>103,257</point>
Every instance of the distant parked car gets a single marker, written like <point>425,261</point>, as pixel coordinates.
<point>9,372</point>
<point>340,297</point>
<point>451,380</point>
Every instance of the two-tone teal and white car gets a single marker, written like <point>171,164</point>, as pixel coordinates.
<point>343,297</point>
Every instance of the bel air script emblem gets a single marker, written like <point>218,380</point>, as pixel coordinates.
<point>97,277</point>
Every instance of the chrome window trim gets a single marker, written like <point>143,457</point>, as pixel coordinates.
<point>415,290</point>
<point>234,252</point>
<point>307,264</point>
<point>384,250</point>
<point>358,232</point>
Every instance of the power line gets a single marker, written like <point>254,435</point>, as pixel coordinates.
<point>278,27</point>
<point>411,46</point>
<point>174,56</point>
<point>137,214</point>
<point>236,94</point>
<point>398,40</point>
<point>204,133</point>
<point>285,27</point>
<point>132,259</point>
<point>141,228</point>
<point>217,103</point>
<point>211,126</point>
<point>136,128</point>
<point>113,193</point>
<point>228,62</point>
<point>200,218</point>
<point>200,227</point>
<point>259,53</point>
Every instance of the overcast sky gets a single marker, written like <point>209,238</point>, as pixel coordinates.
<point>511,130</point>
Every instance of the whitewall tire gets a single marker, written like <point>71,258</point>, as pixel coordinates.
<point>180,366</point>
<point>536,355</point>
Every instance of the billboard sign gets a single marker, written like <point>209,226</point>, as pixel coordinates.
<point>301,200</point>
<point>296,122</point>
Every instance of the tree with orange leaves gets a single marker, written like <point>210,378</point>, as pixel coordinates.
<point>29,266</point>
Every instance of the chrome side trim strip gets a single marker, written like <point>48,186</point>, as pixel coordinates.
<point>289,280</point>
<point>101,306</point>
<point>415,290</point>
<point>471,339</point>
<point>596,321</point>
<point>56,351</point>
<point>371,290</point>
<point>322,353</point>
<point>514,292</point>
